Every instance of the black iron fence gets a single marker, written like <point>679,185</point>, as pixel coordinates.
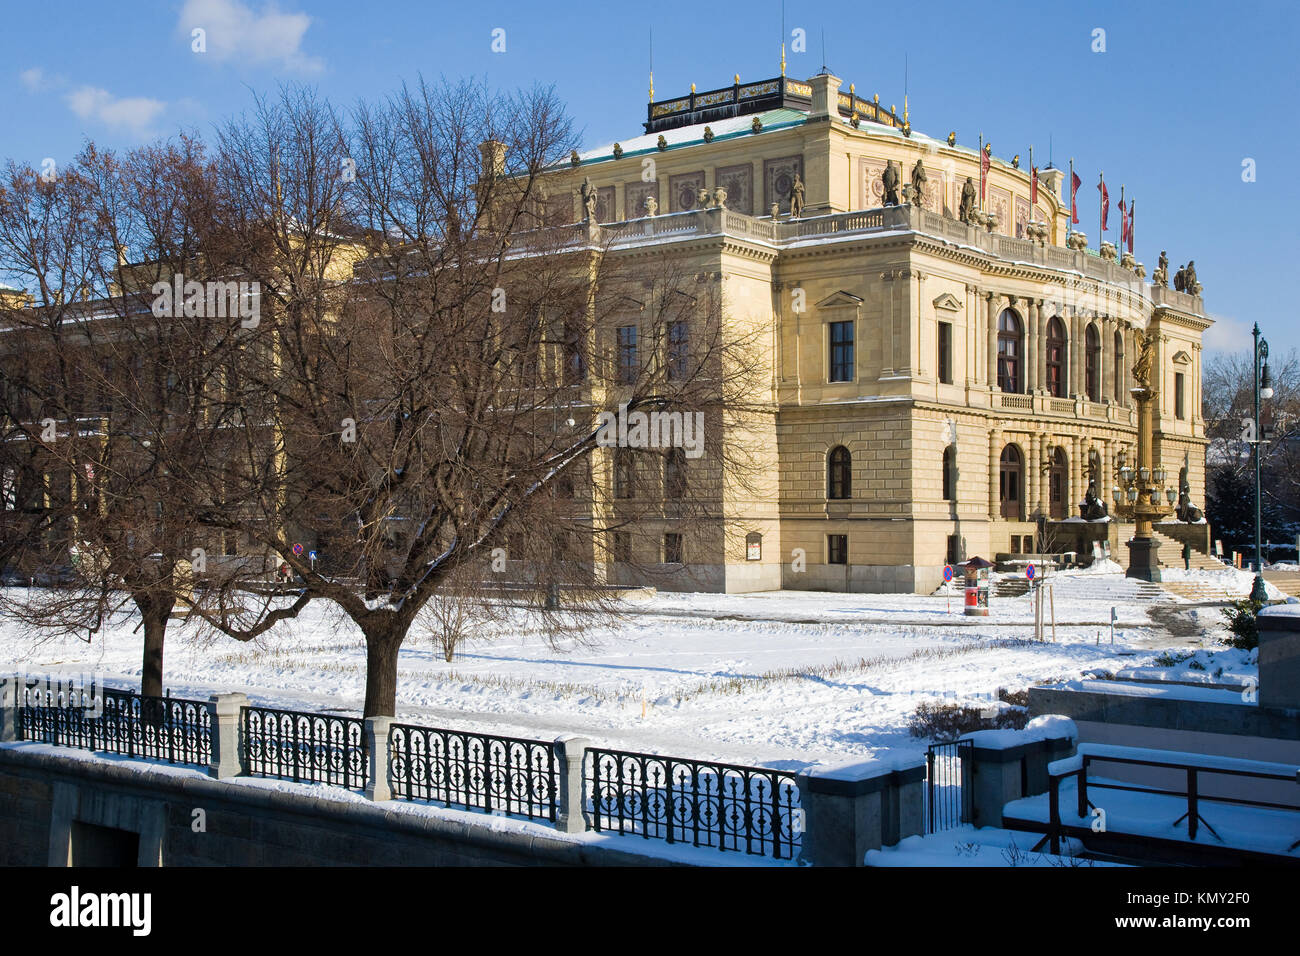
<point>727,807</point>
<point>947,793</point>
<point>475,771</point>
<point>304,747</point>
<point>169,729</point>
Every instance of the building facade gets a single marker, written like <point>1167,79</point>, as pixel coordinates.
<point>947,378</point>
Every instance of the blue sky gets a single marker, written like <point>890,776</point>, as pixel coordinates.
<point>1182,95</point>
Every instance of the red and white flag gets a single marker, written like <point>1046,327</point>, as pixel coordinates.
<point>1105,204</point>
<point>1123,223</point>
<point>1075,183</point>
<point>986,161</point>
<point>1131,206</point>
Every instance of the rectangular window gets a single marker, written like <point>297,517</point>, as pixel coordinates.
<point>672,548</point>
<point>677,352</point>
<point>945,353</point>
<point>628,365</point>
<point>837,549</point>
<point>841,369</point>
<point>1180,410</point>
<point>622,546</point>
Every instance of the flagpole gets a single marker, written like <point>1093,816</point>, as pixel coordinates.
<point>1069,223</point>
<point>1122,217</point>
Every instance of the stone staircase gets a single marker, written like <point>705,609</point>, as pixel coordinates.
<point>1288,581</point>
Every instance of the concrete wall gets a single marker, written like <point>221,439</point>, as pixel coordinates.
<point>42,796</point>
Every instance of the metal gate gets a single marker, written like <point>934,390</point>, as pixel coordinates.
<point>947,785</point>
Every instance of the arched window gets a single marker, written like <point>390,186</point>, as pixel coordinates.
<point>1011,482</point>
<point>1058,477</point>
<point>1056,357</point>
<point>839,473</point>
<point>1010,352</point>
<point>1119,369</point>
<point>1092,372</point>
<point>949,474</point>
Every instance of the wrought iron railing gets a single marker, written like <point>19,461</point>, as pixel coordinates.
<point>475,771</point>
<point>105,719</point>
<point>947,794</point>
<point>750,809</point>
<point>303,747</point>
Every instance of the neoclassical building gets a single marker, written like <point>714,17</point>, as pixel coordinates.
<point>945,381</point>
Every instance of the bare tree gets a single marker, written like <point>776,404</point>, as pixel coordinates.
<point>431,364</point>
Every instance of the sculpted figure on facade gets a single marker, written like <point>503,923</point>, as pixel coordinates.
<point>1161,275</point>
<point>796,197</point>
<point>966,209</point>
<point>918,184</point>
<point>1146,344</point>
<point>1180,279</point>
<point>589,199</point>
<point>889,181</point>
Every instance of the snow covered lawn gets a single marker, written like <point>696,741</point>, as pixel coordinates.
<point>784,679</point>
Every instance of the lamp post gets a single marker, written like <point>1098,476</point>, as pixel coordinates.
<point>1264,390</point>
<point>1139,487</point>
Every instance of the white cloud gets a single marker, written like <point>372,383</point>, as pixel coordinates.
<point>33,79</point>
<point>233,31</point>
<point>131,112</point>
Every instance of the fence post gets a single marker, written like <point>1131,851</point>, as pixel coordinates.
<point>854,808</point>
<point>227,758</point>
<point>9,708</point>
<point>570,809</point>
<point>377,787</point>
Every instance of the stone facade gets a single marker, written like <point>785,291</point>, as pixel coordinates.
<point>923,297</point>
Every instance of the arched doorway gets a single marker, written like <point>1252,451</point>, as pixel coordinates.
<point>1056,357</point>
<point>1011,483</point>
<point>1010,352</point>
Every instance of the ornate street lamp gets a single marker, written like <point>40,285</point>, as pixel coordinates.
<point>1139,487</point>
<point>1264,390</point>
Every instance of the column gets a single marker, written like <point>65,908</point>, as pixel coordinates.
<point>1107,473</point>
<point>1034,454</point>
<point>974,370</point>
<point>570,817</point>
<point>227,759</point>
<point>1108,359</point>
<point>991,324</point>
<point>1044,491</point>
<point>1030,360</point>
<point>1078,348</point>
<point>995,460</point>
<point>1076,474</point>
<point>1041,360</point>
<point>376,733</point>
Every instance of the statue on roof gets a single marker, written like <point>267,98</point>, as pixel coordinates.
<point>796,197</point>
<point>918,184</point>
<point>889,180</point>
<point>1180,279</point>
<point>1189,277</point>
<point>1161,275</point>
<point>966,211</point>
<point>589,199</point>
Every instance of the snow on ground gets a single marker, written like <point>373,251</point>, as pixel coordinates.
<point>967,846</point>
<point>785,679</point>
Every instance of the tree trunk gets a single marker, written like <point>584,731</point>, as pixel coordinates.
<point>155,611</point>
<point>382,647</point>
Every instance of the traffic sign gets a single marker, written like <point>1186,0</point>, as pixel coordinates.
<point>947,572</point>
<point>297,550</point>
<point>311,555</point>
<point>1029,572</point>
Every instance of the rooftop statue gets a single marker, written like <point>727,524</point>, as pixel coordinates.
<point>1180,279</point>
<point>918,184</point>
<point>966,210</point>
<point>889,180</point>
<point>1189,278</point>
<point>796,197</point>
<point>1161,276</point>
